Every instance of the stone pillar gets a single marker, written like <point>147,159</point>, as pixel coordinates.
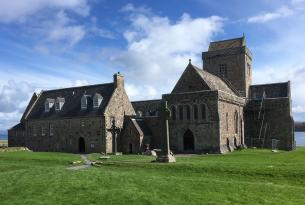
<point>165,154</point>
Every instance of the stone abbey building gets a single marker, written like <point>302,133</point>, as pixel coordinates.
<point>214,109</point>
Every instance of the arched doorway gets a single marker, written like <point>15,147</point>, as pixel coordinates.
<point>188,141</point>
<point>81,145</point>
<point>130,149</point>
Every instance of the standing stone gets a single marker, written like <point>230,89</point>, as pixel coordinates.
<point>165,154</point>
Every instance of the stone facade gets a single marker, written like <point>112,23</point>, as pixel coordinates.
<point>75,128</point>
<point>213,110</point>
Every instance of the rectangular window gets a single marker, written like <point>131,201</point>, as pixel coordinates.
<point>248,68</point>
<point>43,131</point>
<point>180,112</point>
<point>223,70</point>
<point>51,129</point>
<point>34,131</point>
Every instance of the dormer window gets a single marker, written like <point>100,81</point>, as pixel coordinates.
<point>59,103</point>
<point>48,104</point>
<point>97,100</point>
<point>84,102</point>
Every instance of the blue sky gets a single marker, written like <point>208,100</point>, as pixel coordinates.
<point>52,44</point>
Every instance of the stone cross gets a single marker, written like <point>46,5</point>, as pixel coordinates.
<point>165,116</point>
<point>114,131</point>
<point>165,154</point>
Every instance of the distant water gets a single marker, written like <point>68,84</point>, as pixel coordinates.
<point>3,137</point>
<point>300,138</point>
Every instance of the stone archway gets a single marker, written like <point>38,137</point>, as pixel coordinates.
<point>81,145</point>
<point>188,141</point>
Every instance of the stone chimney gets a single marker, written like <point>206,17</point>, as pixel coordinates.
<point>118,80</point>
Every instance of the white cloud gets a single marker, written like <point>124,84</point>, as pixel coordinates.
<point>14,95</point>
<point>16,10</point>
<point>136,92</point>
<point>80,83</point>
<point>281,73</point>
<point>298,109</point>
<point>158,49</point>
<point>282,12</point>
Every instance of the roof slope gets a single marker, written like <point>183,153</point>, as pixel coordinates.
<point>28,107</point>
<point>230,43</point>
<point>195,79</point>
<point>141,126</point>
<point>214,82</point>
<point>72,105</point>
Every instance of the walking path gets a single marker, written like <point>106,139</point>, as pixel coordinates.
<point>86,165</point>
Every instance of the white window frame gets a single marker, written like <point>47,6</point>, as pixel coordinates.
<point>84,103</point>
<point>51,127</point>
<point>43,131</point>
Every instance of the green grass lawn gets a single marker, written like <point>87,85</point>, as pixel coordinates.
<point>242,177</point>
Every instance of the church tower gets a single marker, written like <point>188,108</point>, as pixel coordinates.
<point>231,60</point>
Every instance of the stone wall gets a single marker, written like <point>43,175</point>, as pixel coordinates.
<point>16,136</point>
<point>205,129</point>
<point>146,108</point>
<point>154,125</point>
<point>230,109</point>
<point>277,124</point>
<point>119,106</point>
<point>273,90</point>
<point>66,134</point>
<point>239,66</point>
<point>130,139</point>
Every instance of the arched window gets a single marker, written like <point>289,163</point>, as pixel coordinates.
<point>236,122</point>
<point>227,123</point>
<point>84,102</point>
<point>195,110</point>
<point>97,100</point>
<point>173,110</point>
<point>139,113</point>
<point>48,104</point>
<point>203,112</point>
<point>180,112</point>
<point>59,103</point>
<point>188,112</point>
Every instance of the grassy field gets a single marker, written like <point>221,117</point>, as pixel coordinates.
<point>242,177</point>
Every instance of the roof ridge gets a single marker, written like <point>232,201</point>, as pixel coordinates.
<point>77,87</point>
<point>231,39</point>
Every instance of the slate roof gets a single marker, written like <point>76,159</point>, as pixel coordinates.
<point>19,126</point>
<point>225,44</point>
<point>212,81</point>
<point>72,105</point>
<point>141,126</point>
<point>147,106</point>
<point>272,90</point>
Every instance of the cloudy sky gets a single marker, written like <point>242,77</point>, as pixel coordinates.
<point>46,44</point>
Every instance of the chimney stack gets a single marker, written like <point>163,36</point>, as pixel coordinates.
<point>118,80</point>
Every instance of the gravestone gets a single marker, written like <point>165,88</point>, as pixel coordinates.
<point>165,154</point>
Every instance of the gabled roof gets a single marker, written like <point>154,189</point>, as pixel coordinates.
<point>141,126</point>
<point>28,107</point>
<point>19,126</point>
<point>225,44</point>
<point>72,105</point>
<point>212,81</point>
